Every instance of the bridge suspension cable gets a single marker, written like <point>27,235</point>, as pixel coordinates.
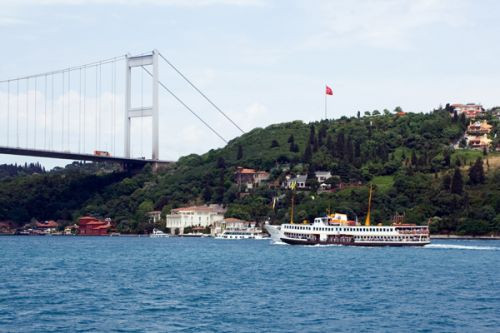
<point>201,93</point>
<point>186,106</point>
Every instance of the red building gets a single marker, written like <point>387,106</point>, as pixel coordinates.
<point>91,226</point>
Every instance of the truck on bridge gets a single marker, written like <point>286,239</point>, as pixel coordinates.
<point>102,153</point>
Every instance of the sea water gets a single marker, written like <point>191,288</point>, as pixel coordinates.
<point>139,284</point>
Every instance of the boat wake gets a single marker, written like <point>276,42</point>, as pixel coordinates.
<point>461,247</point>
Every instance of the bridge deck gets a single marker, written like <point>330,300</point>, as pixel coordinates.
<point>76,156</point>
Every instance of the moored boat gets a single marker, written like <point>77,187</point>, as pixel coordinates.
<point>158,234</point>
<point>228,234</point>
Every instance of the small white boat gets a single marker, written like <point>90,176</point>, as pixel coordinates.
<point>235,235</point>
<point>158,234</point>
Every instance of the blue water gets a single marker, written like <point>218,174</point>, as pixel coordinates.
<point>127,284</point>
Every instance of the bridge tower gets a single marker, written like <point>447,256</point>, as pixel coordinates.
<point>150,111</point>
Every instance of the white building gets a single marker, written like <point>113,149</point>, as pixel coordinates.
<point>194,216</point>
<point>300,181</point>
<point>322,176</point>
<point>233,224</point>
<point>154,216</point>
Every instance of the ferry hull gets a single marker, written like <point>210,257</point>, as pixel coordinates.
<point>350,243</point>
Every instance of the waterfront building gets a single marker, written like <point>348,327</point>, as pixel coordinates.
<point>71,229</point>
<point>47,227</point>
<point>154,216</point>
<point>194,216</point>
<point>91,226</point>
<point>232,224</point>
<point>6,227</point>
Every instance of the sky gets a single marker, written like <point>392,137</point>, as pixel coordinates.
<point>261,62</point>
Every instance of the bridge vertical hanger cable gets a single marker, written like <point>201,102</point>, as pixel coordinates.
<point>35,123</point>
<point>52,120</point>
<point>142,108</point>
<point>96,123</point>
<point>114,107</point>
<point>68,110</point>
<point>18,115</point>
<point>201,93</point>
<point>45,114</point>
<point>100,106</point>
<point>79,111</point>
<point>62,110</point>
<point>84,104</point>
<point>186,106</point>
<point>27,106</point>
<point>8,113</point>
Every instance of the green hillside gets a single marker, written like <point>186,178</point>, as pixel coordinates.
<point>409,158</point>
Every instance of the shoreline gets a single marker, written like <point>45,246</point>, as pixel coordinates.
<point>465,237</point>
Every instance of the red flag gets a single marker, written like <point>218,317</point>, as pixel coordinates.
<point>329,90</point>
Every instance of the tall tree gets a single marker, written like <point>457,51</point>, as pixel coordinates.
<point>340,145</point>
<point>307,154</point>
<point>239,154</point>
<point>457,184</point>
<point>476,172</point>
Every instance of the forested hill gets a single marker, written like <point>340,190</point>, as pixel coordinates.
<point>407,156</point>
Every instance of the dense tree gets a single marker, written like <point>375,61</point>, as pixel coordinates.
<point>457,185</point>
<point>239,154</point>
<point>476,172</point>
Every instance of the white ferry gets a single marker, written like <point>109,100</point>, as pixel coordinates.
<point>337,230</point>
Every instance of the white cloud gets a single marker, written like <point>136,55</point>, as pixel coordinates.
<point>382,23</point>
<point>254,115</point>
<point>10,21</point>
<point>180,3</point>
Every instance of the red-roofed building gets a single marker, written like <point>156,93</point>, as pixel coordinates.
<point>47,227</point>
<point>6,227</point>
<point>471,110</point>
<point>91,226</point>
<point>250,178</point>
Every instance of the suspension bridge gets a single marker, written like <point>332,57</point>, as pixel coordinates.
<point>86,112</point>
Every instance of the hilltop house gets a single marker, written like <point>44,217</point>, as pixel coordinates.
<point>194,216</point>
<point>478,142</point>
<point>479,128</point>
<point>322,176</point>
<point>250,178</point>
<point>300,180</point>
<point>471,110</point>
<point>477,135</point>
